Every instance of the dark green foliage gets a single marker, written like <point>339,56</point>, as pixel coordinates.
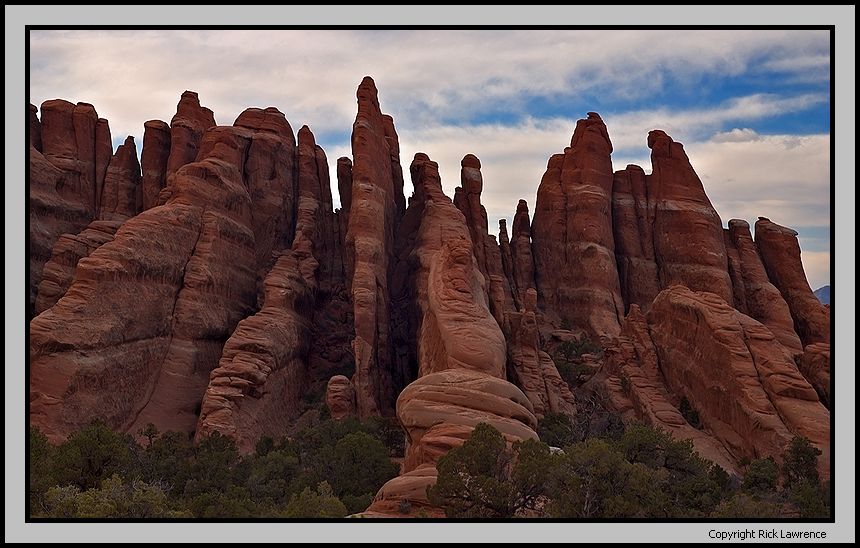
<point>568,358</point>
<point>483,478</point>
<point>690,415</point>
<point>742,505</point>
<point>810,500</point>
<point>643,473</point>
<point>593,480</point>
<point>41,473</point>
<point>328,470</point>
<point>761,476</point>
<point>800,463</point>
<point>318,503</point>
<point>556,430</point>
<point>91,456</point>
<point>115,498</point>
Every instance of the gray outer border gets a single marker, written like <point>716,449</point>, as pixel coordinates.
<point>17,16</point>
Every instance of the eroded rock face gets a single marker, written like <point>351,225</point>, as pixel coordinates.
<point>373,216</point>
<point>153,160</point>
<point>694,349</point>
<point>122,195</point>
<point>467,198</point>
<point>59,272</point>
<point>780,254</point>
<point>340,397</point>
<point>186,130</point>
<point>633,384</point>
<point>460,348</point>
<point>258,383</point>
<point>66,171</point>
<point>523,270</point>
<point>531,368</point>
<point>633,213</point>
<point>745,386</point>
<point>191,266</point>
<point>814,364</point>
<point>574,249</point>
<point>763,301</point>
<point>688,234</point>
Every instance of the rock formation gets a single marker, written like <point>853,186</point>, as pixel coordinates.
<point>460,350</point>
<point>688,235</point>
<point>762,300</point>
<point>814,364</point>
<point>467,198</point>
<point>574,249</point>
<point>211,287</point>
<point>59,271</point>
<point>191,268</point>
<point>633,213</point>
<point>374,209</point>
<point>66,169</point>
<point>531,368</point>
<point>522,259</point>
<point>122,194</point>
<point>258,383</point>
<point>153,160</point>
<point>743,383</point>
<point>186,131</point>
<point>780,253</point>
<point>340,397</point>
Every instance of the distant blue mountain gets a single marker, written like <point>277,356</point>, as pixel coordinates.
<point>823,294</point>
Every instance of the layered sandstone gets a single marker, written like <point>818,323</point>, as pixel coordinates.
<point>763,301</point>
<point>153,161</point>
<point>460,349</point>
<point>122,193</point>
<point>744,384</point>
<point>532,369</point>
<point>633,213</point>
<point>59,271</point>
<point>688,236</point>
<point>780,253</point>
<point>814,364</point>
<point>574,249</point>
<point>467,198</point>
<point>258,383</point>
<point>70,145</point>
<point>191,266</point>
<point>186,130</point>
<point>376,199</point>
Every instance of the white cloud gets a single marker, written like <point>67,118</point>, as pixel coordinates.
<point>817,267</point>
<point>428,77</point>
<point>132,76</point>
<point>736,135</point>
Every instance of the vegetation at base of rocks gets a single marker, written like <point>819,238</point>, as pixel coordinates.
<point>329,470</point>
<point>568,358</point>
<point>643,473</point>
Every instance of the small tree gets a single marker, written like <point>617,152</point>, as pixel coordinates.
<point>556,429</point>
<point>150,432</point>
<point>761,476</point>
<point>484,478</point>
<point>315,503</point>
<point>800,463</point>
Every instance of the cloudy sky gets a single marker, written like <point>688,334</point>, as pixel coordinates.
<point>751,107</point>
